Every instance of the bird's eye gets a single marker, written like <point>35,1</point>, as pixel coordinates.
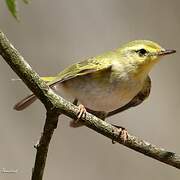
<point>141,52</point>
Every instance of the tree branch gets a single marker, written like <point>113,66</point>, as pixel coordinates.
<point>55,105</point>
<point>43,145</point>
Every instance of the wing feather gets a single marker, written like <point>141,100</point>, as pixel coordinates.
<point>82,68</point>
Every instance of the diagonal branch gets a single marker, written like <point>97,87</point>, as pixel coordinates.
<point>55,105</point>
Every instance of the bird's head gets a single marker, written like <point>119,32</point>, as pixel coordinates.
<point>143,54</point>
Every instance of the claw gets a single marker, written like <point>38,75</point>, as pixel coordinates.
<point>123,134</point>
<point>82,112</point>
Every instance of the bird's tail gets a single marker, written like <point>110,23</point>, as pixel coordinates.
<point>27,101</point>
<point>24,103</point>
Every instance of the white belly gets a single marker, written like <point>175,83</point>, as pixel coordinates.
<point>99,96</point>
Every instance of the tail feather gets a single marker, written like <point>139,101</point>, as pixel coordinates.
<point>24,103</point>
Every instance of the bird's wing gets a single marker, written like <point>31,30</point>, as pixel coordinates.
<point>96,64</point>
<point>138,99</point>
<point>82,68</point>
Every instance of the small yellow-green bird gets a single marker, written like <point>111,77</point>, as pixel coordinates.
<point>109,83</point>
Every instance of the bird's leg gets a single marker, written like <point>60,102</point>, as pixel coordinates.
<point>102,115</point>
<point>82,113</point>
<point>75,102</point>
<point>123,133</point>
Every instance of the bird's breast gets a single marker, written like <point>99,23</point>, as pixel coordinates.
<point>101,93</point>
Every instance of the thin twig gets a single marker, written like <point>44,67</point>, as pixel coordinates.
<point>43,145</point>
<point>57,104</point>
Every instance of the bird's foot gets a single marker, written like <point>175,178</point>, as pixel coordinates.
<point>123,133</point>
<point>81,114</point>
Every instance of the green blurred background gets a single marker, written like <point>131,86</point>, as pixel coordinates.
<point>54,34</point>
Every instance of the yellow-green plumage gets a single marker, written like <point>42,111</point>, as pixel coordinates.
<point>108,81</point>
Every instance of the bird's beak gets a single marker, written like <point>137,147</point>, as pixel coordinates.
<point>165,52</point>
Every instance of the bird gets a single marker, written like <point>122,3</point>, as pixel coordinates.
<point>108,83</point>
